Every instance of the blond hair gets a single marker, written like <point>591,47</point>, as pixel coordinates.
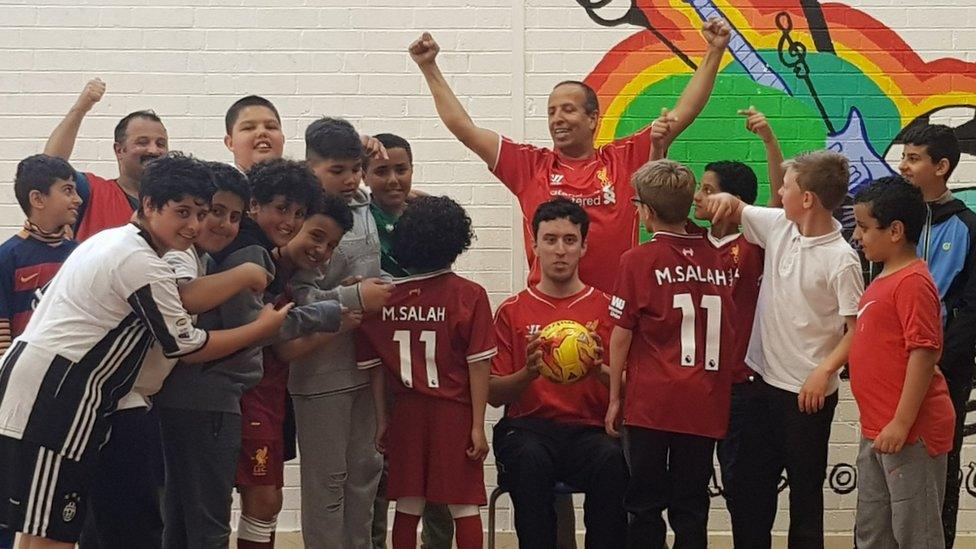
<point>667,187</point>
<point>824,173</point>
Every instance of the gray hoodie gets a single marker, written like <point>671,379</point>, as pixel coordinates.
<point>333,368</point>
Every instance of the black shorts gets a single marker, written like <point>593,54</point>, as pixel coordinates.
<point>42,493</point>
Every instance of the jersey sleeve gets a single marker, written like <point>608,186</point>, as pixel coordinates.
<point>635,150</point>
<point>481,333</point>
<point>7,269</point>
<point>848,285</point>
<point>758,222</point>
<point>83,188</point>
<point>624,307</point>
<point>184,265</point>
<point>156,301</point>
<point>919,312</point>
<point>366,355</point>
<point>503,363</point>
<point>518,164</point>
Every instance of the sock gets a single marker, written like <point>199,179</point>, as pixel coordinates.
<point>255,534</point>
<point>405,530</point>
<point>467,532</point>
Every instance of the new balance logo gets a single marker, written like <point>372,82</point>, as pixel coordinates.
<point>556,179</point>
<point>617,307</point>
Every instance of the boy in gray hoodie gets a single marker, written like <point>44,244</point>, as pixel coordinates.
<point>334,413</point>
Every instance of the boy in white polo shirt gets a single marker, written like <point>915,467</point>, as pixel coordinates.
<point>810,291</point>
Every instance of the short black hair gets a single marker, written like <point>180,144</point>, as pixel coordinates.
<point>334,206</point>
<point>250,101</point>
<point>175,177</point>
<point>735,178</point>
<point>893,198</point>
<point>940,141</point>
<point>591,103</point>
<point>333,139</point>
<point>38,173</point>
<point>432,232</point>
<point>230,179</point>
<point>123,126</point>
<point>391,141</point>
<point>561,208</point>
<point>282,177</point>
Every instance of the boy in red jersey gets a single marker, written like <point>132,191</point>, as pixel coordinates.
<point>676,294</point>
<point>435,338</point>
<point>555,432</point>
<point>907,419</point>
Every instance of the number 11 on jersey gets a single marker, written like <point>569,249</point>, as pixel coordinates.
<point>428,338</point>
<point>712,304</point>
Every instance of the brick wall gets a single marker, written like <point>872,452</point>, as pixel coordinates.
<point>316,57</point>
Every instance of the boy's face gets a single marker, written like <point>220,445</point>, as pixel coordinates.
<point>280,219</point>
<point>559,247</point>
<point>708,185</point>
<point>339,177</point>
<point>876,243</point>
<point>176,225</point>
<point>795,199</point>
<point>315,242</point>
<point>222,223</point>
<point>918,167</point>
<point>390,180</point>
<point>145,140</point>
<point>59,206</point>
<point>255,137</point>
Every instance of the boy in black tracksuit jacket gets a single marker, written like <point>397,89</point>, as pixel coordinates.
<point>948,245</point>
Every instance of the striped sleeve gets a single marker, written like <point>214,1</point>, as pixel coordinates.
<point>481,333</point>
<point>158,305</point>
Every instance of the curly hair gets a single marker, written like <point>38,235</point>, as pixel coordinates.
<point>229,179</point>
<point>432,232</point>
<point>282,177</point>
<point>333,206</point>
<point>174,177</point>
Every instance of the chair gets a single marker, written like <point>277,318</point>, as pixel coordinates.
<point>559,488</point>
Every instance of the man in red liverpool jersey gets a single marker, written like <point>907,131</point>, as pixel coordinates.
<point>596,178</point>
<point>434,341</point>
<point>139,137</point>
<point>671,305</point>
<point>555,432</point>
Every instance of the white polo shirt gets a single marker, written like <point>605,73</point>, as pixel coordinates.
<point>809,286</point>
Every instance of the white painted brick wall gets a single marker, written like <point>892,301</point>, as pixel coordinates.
<point>315,57</point>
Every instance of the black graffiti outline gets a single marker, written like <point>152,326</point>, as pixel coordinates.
<point>633,16</point>
<point>797,53</point>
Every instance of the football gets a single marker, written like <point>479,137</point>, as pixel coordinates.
<point>568,351</point>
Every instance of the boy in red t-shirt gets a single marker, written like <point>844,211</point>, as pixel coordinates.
<point>436,341</point>
<point>907,419</point>
<point>673,309</point>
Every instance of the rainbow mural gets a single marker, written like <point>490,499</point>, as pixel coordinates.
<point>825,75</point>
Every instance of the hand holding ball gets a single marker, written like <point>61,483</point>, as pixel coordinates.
<point>568,351</point>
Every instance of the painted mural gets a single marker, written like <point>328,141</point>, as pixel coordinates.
<point>825,75</point>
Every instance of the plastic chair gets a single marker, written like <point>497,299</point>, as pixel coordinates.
<point>559,488</point>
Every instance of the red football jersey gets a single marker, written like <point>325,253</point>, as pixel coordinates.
<point>580,403</point>
<point>674,293</point>
<point>107,207</point>
<point>743,261</point>
<point>431,329</point>
<point>601,184</point>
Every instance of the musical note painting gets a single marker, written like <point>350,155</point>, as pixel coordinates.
<point>825,75</point>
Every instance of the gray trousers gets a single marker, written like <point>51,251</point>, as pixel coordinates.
<point>899,498</point>
<point>340,468</point>
<point>201,451</point>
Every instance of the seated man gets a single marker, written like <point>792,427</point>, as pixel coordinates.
<point>551,432</point>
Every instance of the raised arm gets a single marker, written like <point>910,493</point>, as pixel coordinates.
<point>756,123</point>
<point>695,95</point>
<point>62,139</point>
<point>481,141</point>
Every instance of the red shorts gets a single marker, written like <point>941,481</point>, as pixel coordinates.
<point>426,447</point>
<point>263,412</point>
